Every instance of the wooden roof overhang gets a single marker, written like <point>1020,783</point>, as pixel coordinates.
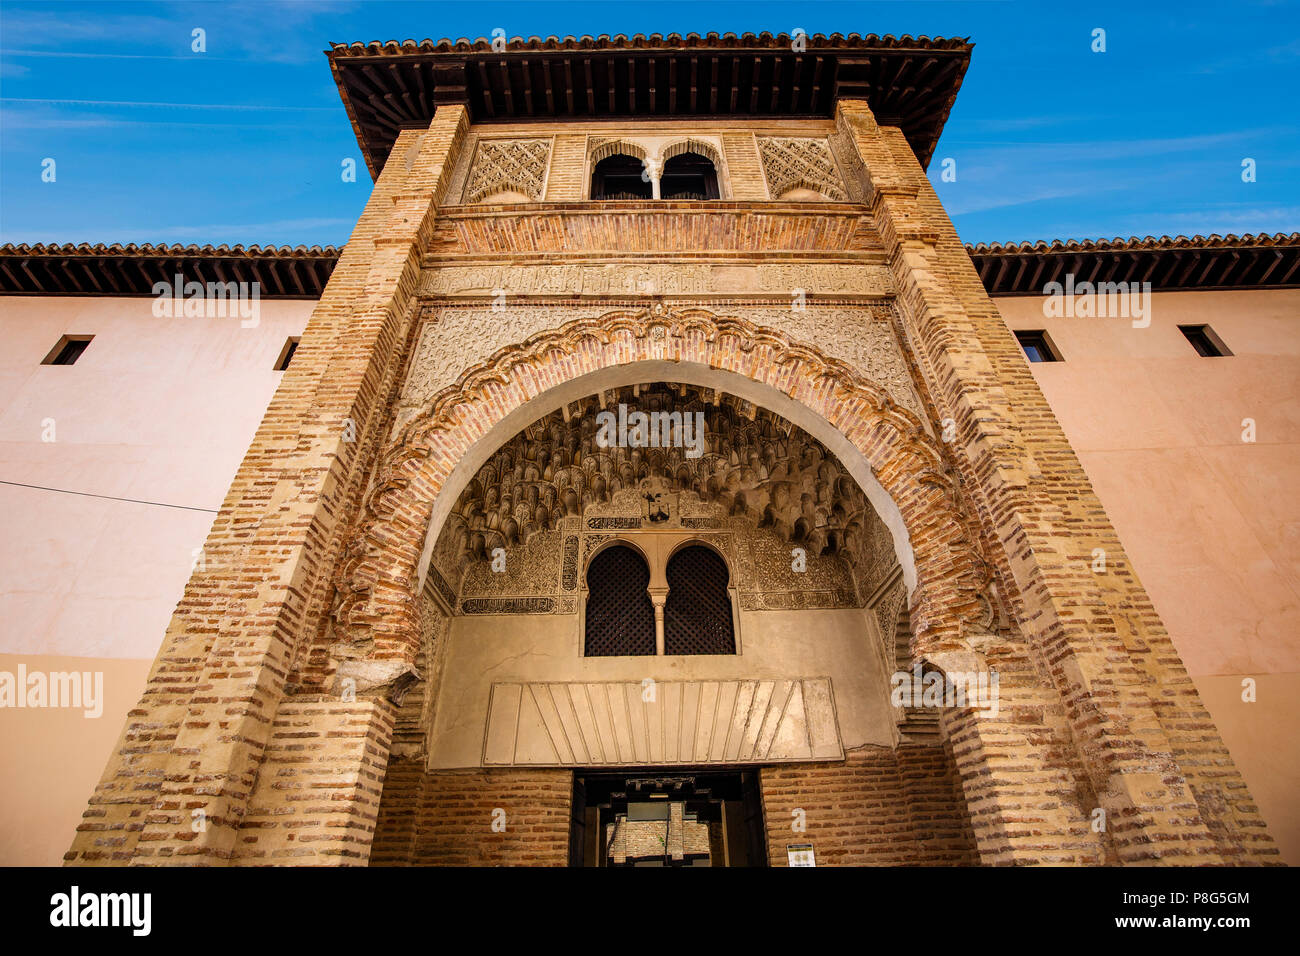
<point>281,272</point>
<point>1169,264</point>
<point>910,82</point>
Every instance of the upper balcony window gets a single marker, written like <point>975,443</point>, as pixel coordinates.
<point>689,176</point>
<point>657,167</point>
<point>621,177</point>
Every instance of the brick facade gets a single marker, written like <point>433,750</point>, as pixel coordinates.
<point>473,818</point>
<point>313,563</point>
<point>879,807</point>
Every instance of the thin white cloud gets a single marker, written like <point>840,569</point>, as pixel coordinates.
<point>181,106</point>
<point>193,57</point>
<point>280,231</point>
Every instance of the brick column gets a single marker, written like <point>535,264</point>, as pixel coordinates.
<point>1145,742</point>
<point>198,738</point>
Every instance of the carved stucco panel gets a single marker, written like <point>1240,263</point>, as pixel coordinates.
<point>800,162</point>
<point>457,337</point>
<point>514,165</point>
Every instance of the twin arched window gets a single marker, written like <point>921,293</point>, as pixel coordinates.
<point>688,175</point>
<point>620,616</point>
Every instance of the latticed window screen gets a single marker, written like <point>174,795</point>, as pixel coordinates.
<point>697,617</point>
<point>620,617</point>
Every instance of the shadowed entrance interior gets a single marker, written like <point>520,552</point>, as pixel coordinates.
<point>675,818</point>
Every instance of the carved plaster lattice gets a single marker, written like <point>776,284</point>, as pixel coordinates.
<point>800,163</point>
<point>845,151</point>
<point>456,337</point>
<point>509,165</point>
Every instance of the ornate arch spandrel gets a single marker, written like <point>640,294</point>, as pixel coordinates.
<point>376,611</point>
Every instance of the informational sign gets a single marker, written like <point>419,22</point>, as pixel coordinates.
<point>800,854</point>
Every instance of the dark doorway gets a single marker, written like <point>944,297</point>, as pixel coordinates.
<point>672,818</point>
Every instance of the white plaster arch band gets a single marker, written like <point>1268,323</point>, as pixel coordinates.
<point>692,146</point>
<point>689,373</point>
<point>606,150</point>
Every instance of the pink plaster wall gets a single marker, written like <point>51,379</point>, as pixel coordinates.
<point>163,409</point>
<point>156,409</point>
<point>1211,522</point>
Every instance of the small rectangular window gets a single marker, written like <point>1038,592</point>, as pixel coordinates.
<point>1038,346</point>
<point>286,354</point>
<point>1203,339</point>
<point>68,350</point>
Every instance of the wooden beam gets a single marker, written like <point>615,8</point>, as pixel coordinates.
<point>503,70</point>
<point>528,86</point>
<point>1277,261</point>
<point>1002,271</point>
<point>91,273</point>
<point>549,85</point>
<point>489,108</point>
<point>1038,272</point>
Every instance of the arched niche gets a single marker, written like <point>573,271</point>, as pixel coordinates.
<point>649,372</point>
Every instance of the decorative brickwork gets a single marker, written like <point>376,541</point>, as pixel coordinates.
<point>376,605</point>
<point>1147,746</point>
<point>199,738</point>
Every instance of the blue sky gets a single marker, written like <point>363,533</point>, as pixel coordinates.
<point>243,143</point>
